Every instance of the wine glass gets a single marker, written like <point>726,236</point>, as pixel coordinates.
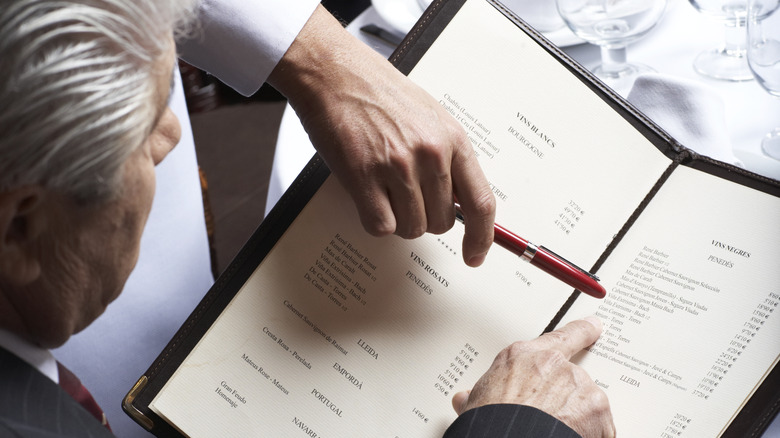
<point>612,25</point>
<point>763,54</point>
<point>728,62</point>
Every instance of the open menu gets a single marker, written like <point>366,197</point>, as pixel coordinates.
<point>319,329</point>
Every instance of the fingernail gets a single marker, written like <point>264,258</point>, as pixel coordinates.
<point>459,401</point>
<point>476,260</point>
<point>596,321</point>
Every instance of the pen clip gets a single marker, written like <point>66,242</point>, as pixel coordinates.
<point>570,263</point>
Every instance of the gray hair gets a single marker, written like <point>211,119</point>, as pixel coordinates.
<point>77,88</point>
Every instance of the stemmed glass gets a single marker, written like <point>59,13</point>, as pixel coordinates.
<point>728,62</point>
<point>612,25</point>
<point>763,54</point>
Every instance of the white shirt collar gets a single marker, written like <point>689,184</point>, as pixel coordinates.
<point>39,358</point>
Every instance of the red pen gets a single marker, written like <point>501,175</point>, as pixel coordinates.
<point>545,260</point>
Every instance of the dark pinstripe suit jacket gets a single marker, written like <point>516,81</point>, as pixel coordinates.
<point>508,421</point>
<point>31,405</point>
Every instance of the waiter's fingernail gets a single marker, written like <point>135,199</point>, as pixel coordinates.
<point>476,260</point>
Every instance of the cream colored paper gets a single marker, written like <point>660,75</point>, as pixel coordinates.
<point>690,316</point>
<point>339,333</point>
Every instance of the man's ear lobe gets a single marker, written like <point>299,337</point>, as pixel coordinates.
<point>22,221</point>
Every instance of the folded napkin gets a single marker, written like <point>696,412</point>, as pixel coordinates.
<point>689,111</point>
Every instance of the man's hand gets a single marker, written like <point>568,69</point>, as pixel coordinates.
<point>538,373</point>
<point>399,154</point>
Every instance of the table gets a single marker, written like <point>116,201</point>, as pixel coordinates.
<point>670,49</point>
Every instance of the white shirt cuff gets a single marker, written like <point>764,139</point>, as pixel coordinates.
<point>241,41</point>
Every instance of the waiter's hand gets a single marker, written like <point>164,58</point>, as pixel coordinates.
<point>399,154</point>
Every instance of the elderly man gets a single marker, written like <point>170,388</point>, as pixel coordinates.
<point>84,121</point>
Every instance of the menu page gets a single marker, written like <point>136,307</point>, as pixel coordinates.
<point>563,165</point>
<point>338,333</point>
<point>690,329</point>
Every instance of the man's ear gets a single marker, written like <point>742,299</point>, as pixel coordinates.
<point>22,221</point>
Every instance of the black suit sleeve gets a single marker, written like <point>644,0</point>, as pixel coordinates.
<point>508,420</point>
